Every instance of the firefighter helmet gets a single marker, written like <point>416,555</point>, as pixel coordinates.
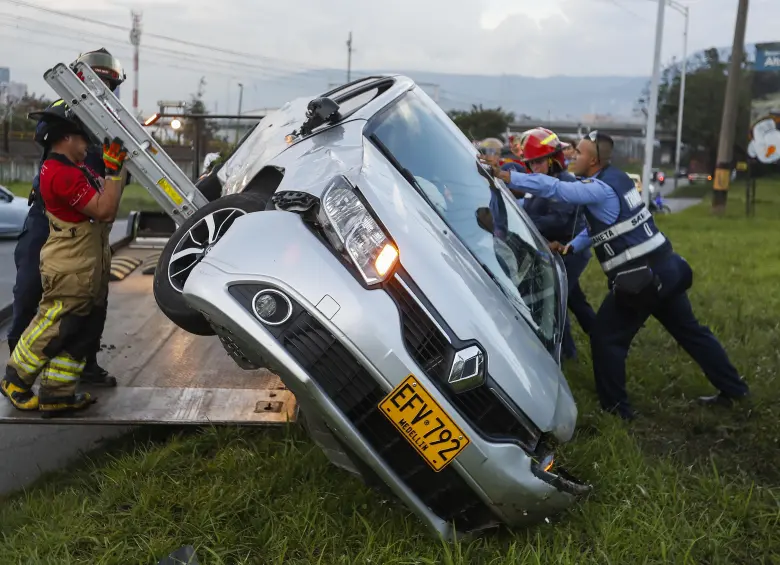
<point>541,143</point>
<point>57,121</point>
<point>105,65</point>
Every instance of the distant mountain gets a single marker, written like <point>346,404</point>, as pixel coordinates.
<point>549,98</point>
<point>558,97</point>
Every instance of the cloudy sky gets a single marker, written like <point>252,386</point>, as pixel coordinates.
<point>232,41</point>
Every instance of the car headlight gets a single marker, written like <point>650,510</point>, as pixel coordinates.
<point>352,230</point>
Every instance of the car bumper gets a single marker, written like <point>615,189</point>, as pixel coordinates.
<point>489,482</point>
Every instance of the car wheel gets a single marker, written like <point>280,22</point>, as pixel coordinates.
<point>185,249</point>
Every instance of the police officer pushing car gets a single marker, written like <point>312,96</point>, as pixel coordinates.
<point>75,267</point>
<point>27,289</point>
<point>645,276</point>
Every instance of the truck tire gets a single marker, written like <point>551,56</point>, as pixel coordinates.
<point>187,246</point>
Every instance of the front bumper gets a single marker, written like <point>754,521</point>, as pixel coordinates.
<point>341,352</point>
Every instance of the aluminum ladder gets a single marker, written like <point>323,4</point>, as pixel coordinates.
<point>105,116</point>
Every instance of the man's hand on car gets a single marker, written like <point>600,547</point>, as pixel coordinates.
<point>557,247</point>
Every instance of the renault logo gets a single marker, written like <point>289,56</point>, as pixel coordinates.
<point>468,369</point>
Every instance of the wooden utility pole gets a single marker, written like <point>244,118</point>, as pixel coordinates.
<point>349,57</point>
<point>728,124</point>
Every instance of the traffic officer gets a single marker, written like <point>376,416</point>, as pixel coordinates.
<point>27,289</point>
<point>559,221</point>
<point>75,265</point>
<point>645,276</point>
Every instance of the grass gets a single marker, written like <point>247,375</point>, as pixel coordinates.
<point>683,484</point>
<point>134,197</point>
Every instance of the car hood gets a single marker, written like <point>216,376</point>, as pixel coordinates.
<point>441,266</point>
<point>463,294</point>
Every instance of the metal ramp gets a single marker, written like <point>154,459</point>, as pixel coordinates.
<point>166,375</point>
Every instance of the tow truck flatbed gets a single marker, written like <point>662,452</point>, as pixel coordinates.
<point>166,375</point>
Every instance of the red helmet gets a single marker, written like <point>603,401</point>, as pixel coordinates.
<point>539,143</point>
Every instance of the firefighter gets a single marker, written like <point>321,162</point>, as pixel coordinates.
<point>543,152</point>
<point>27,288</point>
<point>75,266</point>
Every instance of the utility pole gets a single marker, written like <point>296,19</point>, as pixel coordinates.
<point>135,40</point>
<point>652,111</point>
<point>728,124</point>
<point>349,57</point>
<point>681,110</point>
<point>240,99</point>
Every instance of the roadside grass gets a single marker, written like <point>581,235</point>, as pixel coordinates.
<point>682,484</point>
<point>135,197</point>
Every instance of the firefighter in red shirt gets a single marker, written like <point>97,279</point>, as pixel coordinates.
<point>75,265</point>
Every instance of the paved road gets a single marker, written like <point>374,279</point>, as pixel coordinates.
<point>28,451</point>
<point>677,204</point>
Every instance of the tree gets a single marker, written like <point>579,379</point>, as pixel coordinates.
<point>705,91</point>
<point>479,123</point>
<point>208,128</point>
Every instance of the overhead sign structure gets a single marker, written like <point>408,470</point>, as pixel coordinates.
<point>764,146</point>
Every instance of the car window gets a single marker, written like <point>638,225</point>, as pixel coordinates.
<point>445,170</point>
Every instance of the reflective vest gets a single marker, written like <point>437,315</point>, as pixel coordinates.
<point>633,236</point>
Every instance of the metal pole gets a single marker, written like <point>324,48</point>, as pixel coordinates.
<point>196,168</point>
<point>349,57</point>
<point>723,166</point>
<point>652,111</point>
<point>240,99</point>
<point>681,109</point>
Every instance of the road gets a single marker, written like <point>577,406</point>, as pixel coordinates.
<point>677,204</point>
<point>29,450</point>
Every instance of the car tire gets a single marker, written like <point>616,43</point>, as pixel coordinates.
<point>185,249</point>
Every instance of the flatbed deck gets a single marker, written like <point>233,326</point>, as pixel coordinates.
<point>166,375</point>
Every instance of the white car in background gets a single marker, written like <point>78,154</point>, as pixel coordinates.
<point>13,212</point>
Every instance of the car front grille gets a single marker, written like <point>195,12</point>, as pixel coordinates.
<point>355,392</point>
<point>481,406</point>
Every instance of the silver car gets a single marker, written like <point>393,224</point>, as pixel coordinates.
<point>361,252</point>
<point>13,213</point>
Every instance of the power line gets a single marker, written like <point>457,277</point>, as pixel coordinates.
<point>217,64</point>
<point>157,63</point>
<point>157,36</point>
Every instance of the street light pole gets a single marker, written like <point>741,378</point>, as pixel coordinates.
<point>684,10</point>
<point>240,99</point>
<point>652,111</point>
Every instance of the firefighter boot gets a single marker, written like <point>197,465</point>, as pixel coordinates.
<point>19,393</point>
<point>95,375</point>
<point>51,406</point>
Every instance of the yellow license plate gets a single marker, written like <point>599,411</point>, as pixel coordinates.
<point>424,423</point>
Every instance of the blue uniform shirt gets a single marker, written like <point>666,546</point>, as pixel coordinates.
<point>593,193</point>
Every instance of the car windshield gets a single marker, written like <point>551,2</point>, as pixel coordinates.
<point>435,157</point>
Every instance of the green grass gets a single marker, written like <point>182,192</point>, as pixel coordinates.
<point>134,197</point>
<point>683,484</point>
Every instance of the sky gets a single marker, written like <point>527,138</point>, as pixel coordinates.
<point>241,41</point>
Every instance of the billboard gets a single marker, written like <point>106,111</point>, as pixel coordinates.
<point>764,146</point>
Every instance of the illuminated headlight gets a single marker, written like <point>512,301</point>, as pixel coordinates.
<point>352,230</point>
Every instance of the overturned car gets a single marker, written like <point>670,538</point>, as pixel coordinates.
<point>359,250</point>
